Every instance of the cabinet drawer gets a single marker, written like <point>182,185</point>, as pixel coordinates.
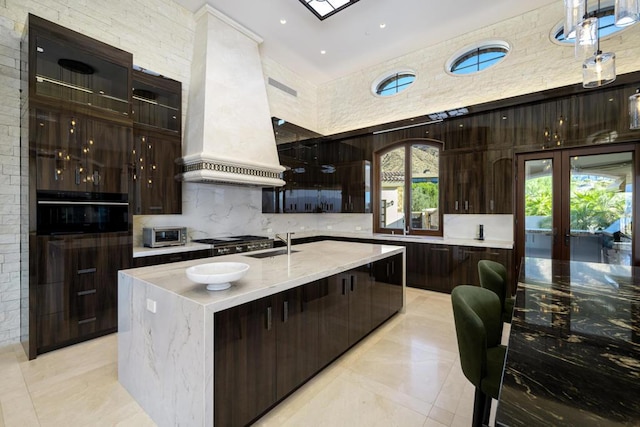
<point>165,259</point>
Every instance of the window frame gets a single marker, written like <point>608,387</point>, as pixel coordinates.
<point>393,75</point>
<point>376,187</point>
<point>475,49</point>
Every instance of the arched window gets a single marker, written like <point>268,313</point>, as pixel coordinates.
<point>393,83</point>
<point>407,188</point>
<point>477,58</point>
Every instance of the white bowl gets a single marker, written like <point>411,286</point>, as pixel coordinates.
<point>217,275</point>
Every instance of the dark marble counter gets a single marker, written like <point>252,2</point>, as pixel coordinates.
<point>574,347</point>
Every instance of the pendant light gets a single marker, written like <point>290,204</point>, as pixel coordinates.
<point>634,110</point>
<point>574,13</point>
<point>599,70</point>
<point>626,12</point>
<point>586,42</point>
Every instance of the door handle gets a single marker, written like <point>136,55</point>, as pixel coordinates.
<point>567,237</point>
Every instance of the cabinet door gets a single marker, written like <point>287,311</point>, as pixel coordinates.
<point>463,177</point>
<point>157,191</point>
<point>359,286</point>
<point>244,362</point>
<point>78,153</point>
<point>297,337</point>
<point>439,268</point>
<point>115,254</point>
<point>498,181</point>
<point>333,308</point>
<point>107,147</point>
<point>386,294</point>
<point>417,264</point>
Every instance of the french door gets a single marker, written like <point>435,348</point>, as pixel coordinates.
<point>578,204</point>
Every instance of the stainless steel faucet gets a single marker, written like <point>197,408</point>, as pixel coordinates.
<point>287,240</point>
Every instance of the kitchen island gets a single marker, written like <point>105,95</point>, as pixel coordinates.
<point>173,332</point>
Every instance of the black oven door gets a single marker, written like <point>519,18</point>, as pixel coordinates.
<point>78,212</point>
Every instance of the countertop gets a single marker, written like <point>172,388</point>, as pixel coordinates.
<point>266,276</point>
<point>139,251</point>
<point>573,357</point>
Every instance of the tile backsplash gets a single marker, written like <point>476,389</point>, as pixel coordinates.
<point>496,227</point>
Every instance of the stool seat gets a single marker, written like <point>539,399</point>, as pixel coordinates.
<point>477,314</point>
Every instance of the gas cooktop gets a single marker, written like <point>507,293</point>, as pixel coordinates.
<point>236,244</point>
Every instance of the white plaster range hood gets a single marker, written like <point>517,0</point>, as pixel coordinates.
<point>228,131</point>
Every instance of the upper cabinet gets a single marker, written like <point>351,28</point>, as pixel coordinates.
<point>156,101</point>
<point>157,126</point>
<point>70,70</point>
<point>75,152</point>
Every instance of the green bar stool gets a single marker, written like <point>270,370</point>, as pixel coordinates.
<point>493,276</point>
<point>477,315</point>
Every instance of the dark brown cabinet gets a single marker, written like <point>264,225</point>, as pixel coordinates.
<point>297,333</point>
<point>439,268</point>
<point>265,349</point>
<point>245,358</point>
<point>157,127</point>
<point>156,189</point>
<point>76,291</point>
<point>465,263</point>
<point>386,289</point>
<point>75,152</point>
<point>463,182</point>
<point>70,70</point>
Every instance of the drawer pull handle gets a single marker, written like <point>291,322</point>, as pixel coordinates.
<point>89,292</point>
<point>87,270</point>
<point>269,318</point>
<point>89,320</point>
<point>285,311</point>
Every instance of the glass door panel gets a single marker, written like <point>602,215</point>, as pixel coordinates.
<point>539,229</point>
<point>600,208</point>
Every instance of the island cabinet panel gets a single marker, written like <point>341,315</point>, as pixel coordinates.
<point>265,349</point>
<point>297,332</point>
<point>359,287</point>
<point>244,362</point>
<point>386,294</point>
<point>333,307</point>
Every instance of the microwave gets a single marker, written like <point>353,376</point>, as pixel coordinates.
<point>158,237</point>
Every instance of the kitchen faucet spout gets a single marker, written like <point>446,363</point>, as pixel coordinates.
<point>287,240</point>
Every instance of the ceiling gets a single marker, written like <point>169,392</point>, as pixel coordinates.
<point>352,38</point>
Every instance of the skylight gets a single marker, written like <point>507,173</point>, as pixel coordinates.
<point>323,9</point>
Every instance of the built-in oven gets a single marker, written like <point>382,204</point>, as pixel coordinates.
<point>67,212</point>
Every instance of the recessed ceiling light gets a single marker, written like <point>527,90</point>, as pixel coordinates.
<point>383,25</point>
<point>283,21</point>
<point>322,52</point>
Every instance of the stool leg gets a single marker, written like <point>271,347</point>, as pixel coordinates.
<point>479,403</point>
<point>487,411</point>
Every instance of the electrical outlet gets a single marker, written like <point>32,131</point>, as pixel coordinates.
<point>329,227</point>
<point>358,228</point>
<point>269,230</point>
<point>151,305</point>
<point>302,227</point>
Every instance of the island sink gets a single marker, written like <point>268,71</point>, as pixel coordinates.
<point>270,254</point>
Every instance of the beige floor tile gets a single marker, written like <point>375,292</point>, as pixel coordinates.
<point>406,373</point>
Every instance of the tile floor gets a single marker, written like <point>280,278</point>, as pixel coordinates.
<point>406,373</point>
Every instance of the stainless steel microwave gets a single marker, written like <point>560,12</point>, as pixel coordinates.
<point>157,237</point>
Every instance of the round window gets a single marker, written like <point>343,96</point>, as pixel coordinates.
<point>393,83</point>
<point>477,58</point>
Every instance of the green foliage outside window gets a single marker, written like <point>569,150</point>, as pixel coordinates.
<point>424,195</point>
<point>594,204</point>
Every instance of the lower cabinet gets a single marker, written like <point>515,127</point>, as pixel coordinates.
<point>77,286</point>
<point>265,349</point>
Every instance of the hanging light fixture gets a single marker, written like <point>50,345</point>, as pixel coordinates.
<point>634,110</point>
<point>586,38</point>
<point>599,70</point>
<point>574,13</point>
<point>626,12</point>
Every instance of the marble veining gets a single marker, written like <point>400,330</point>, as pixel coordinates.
<point>574,349</point>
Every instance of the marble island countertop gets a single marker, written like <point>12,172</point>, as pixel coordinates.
<point>266,276</point>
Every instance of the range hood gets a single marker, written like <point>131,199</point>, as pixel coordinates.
<point>228,132</point>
